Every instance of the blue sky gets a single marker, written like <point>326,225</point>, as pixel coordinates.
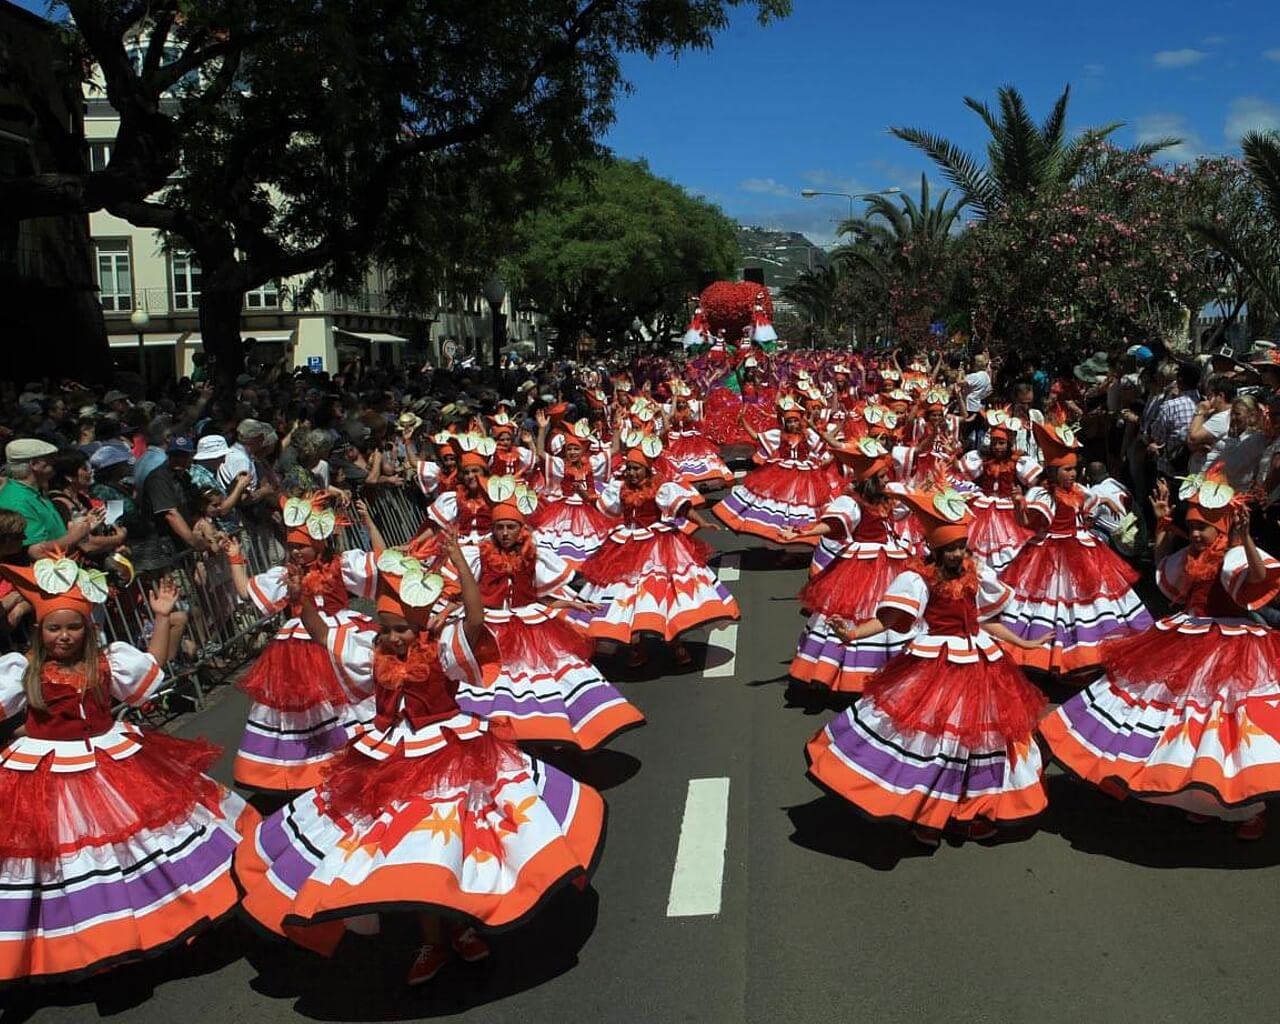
<point>806,102</point>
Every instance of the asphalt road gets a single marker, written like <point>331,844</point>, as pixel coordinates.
<point>1107,912</point>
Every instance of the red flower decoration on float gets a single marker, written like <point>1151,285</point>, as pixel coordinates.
<point>729,306</point>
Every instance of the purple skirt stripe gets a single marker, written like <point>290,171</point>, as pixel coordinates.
<point>1082,718</point>
<point>289,861</point>
<point>575,707</point>
<point>291,751</point>
<point>557,790</point>
<point>1092,632</point>
<point>207,855</point>
<point>857,658</point>
<point>900,770</point>
<point>745,509</point>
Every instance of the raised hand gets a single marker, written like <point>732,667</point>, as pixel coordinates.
<point>163,596</point>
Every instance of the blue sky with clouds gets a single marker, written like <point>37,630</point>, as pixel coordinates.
<point>806,102</point>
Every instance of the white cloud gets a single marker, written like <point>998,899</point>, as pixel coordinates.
<point>1272,54</point>
<point>1214,42</point>
<point>1250,114</point>
<point>1151,127</point>
<point>766,186</point>
<point>1178,58</point>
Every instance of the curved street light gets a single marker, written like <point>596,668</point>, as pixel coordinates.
<point>810,193</point>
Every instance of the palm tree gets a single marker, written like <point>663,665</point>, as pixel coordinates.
<point>902,243</point>
<point>1256,255</point>
<point>814,293</point>
<point>1023,158</point>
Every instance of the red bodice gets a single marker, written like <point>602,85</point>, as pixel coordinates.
<point>644,514</point>
<point>873,527</point>
<point>1001,484</point>
<point>506,463</point>
<point>796,450</point>
<point>71,713</point>
<point>1066,517</point>
<point>952,616</point>
<point>473,517</point>
<point>418,701</point>
<point>323,580</point>
<point>576,481</point>
<point>502,586</point>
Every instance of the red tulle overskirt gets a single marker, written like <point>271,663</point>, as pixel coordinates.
<point>720,418</point>
<point>971,701</point>
<point>851,588</point>
<point>293,675</point>
<point>667,552</point>
<point>580,520</point>
<point>996,529</point>
<point>791,486</point>
<point>1198,666</point>
<point>690,446</point>
<point>1065,568</point>
<point>544,645</point>
<point>357,786</point>
<point>47,814</point>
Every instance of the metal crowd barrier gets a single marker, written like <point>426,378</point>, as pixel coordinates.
<point>226,631</point>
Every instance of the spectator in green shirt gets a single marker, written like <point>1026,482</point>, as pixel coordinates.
<point>29,469</point>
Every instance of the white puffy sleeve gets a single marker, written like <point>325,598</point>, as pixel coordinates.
<point>992,594</point>
<point>428,477</point>
<point>459,660</point>
<point>351,654</point>
<point>13,695</point>
<point>599,463</point>
<point>908,595</point>
<point>444,510</point>
<point>551,575</point>
<point>1235,578</point>
<point>611,497</point>
<point>360,573</point>
<point>1040,506</point>
<point>1029,471</point>
<point>268,590</point>
<point>135,675</point>
<point>843,514</point>
<point>1171,574</point>
<point>970,464</point>
<point>672,498</point>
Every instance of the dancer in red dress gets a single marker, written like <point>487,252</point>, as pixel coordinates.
<point>115,844</point>
<point>1063,579</point>
<point>997,535</point>
<point>300,718</point>
<point>1187,713</point>
<point>867,556</point>
<point>432,810</point>
<point>943,735</point>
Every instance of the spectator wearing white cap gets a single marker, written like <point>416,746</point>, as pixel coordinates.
<point>211,452</point>
<point>251,439</point>
<point>29,467</point>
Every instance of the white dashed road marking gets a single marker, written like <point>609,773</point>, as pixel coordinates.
<point>698,878</point>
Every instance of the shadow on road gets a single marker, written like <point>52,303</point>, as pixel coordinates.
<point>830,826</point>
<point>600,769</point>
<point>365,980</point>
<point>1146,834</point>
<point>122,989</point>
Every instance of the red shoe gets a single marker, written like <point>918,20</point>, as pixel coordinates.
<point>1254,828</point>
<point>1198,819</point>
<point>980,830</point>
<point>683,657</point>
<point>426,965</point>
<point>469,946</point>
<point>926,837</point>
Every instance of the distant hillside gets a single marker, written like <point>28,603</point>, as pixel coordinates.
<point>783,255</point>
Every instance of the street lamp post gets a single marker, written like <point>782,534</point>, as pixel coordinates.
<point>140,318</point>
<point>810,193</point>
<point>495,291</point>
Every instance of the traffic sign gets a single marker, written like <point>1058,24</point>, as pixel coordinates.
<point>315,363</point>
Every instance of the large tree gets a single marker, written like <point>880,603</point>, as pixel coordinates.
<point>282,139</point>
<point>615,244</point>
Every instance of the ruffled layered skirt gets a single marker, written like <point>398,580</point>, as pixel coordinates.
<point>1187,713</point>
<point>935,742</point>
<point>775,497</point>
<point>1076,589</point>
<point>450,818</point>
<point>651,581</point>
<point>116,862</point>
<point>546,686</point>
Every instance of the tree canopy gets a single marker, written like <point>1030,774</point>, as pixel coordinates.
<point>281,139</point>
<point>614,244</point>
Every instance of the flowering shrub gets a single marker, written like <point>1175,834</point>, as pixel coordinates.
<point>1107,258</point>
<point>730,306</point>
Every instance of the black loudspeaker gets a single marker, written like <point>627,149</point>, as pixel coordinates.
<point>755,274</point>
